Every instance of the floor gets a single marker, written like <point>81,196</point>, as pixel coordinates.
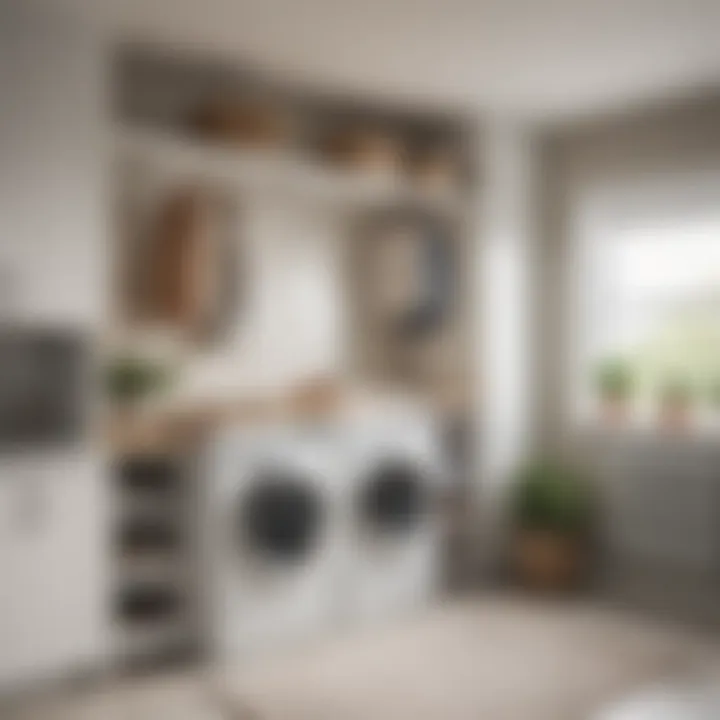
<point>499,657</point>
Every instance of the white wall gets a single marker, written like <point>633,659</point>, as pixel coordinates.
<point>506,298</point>
<point>292,320</point>
<point>506,247</point>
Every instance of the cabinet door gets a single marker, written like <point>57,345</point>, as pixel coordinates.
<point>54,553</point>
<point>662,502</point>
<point>9,563</point>
<point>51,183</point>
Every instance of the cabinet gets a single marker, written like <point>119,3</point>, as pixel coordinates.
<point>52,182</point>
<point>53,512</point>
<point>661,500</point>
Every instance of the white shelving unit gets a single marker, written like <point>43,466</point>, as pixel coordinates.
<point>300,210</point>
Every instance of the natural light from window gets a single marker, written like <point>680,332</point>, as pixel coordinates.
<point>650,322</point>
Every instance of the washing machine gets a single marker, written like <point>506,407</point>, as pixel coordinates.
<point>398,472</point>
<point>272,549</point>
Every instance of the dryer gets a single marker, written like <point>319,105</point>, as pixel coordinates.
<point>398,470</point>
<point>272,549</point>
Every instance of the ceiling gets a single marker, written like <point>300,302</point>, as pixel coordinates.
<point>528,58</point>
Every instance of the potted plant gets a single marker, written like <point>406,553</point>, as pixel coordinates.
<point>616,384</point>
<point>676,395</point>
<point>131,379</point>
<point>552,508</point>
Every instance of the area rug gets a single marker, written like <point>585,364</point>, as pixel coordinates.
<point>501,658</point>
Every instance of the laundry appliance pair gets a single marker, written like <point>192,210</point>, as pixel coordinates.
<point>312,527</point>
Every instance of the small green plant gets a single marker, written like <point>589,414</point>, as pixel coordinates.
<point>615,379</point>
<point>130,378</point>
<point>713,393</point>
<point>552,496</point>
<point>676,390</point>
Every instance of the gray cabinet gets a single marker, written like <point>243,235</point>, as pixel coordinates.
<point>662,499</point>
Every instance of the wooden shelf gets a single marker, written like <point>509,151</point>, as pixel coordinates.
<point>280,172</point>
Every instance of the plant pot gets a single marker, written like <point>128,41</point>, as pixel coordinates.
<point>614,410</point>
<point>548,560</point>
<point>675,415</point>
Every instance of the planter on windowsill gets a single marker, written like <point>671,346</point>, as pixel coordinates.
<point>614,410</point>
<point>675,411</point>
<point>615,384</point>
<point>675,416</point>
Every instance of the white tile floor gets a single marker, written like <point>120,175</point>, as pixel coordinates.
<point>499,658</point>
<point>186,696</point>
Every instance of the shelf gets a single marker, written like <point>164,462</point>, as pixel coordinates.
<point>157,638</point>
<point>159,566</point>
<point>146,506</point>
<point>280,171</point>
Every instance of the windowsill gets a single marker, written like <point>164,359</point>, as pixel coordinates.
<point>700,428</point>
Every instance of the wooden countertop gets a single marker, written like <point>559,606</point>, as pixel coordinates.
<point>154,430</point>
<point>182,427</point>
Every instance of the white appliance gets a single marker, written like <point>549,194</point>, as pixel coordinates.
<point>397,470</point>
<point>273,540</point>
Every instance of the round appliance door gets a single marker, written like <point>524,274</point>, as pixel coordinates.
<point>281,517</point>
<point>394,497</point>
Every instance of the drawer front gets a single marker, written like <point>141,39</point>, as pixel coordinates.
<point>54,556</point>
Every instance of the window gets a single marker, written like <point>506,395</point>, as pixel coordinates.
<point>648,298</point>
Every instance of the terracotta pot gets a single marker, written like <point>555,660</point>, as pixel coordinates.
<point>548,560</point>
<point>675,415</point>
<point>614,410</point>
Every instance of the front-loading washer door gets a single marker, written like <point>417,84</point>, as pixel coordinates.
<point>281,517</point>
<point>393,498</point>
